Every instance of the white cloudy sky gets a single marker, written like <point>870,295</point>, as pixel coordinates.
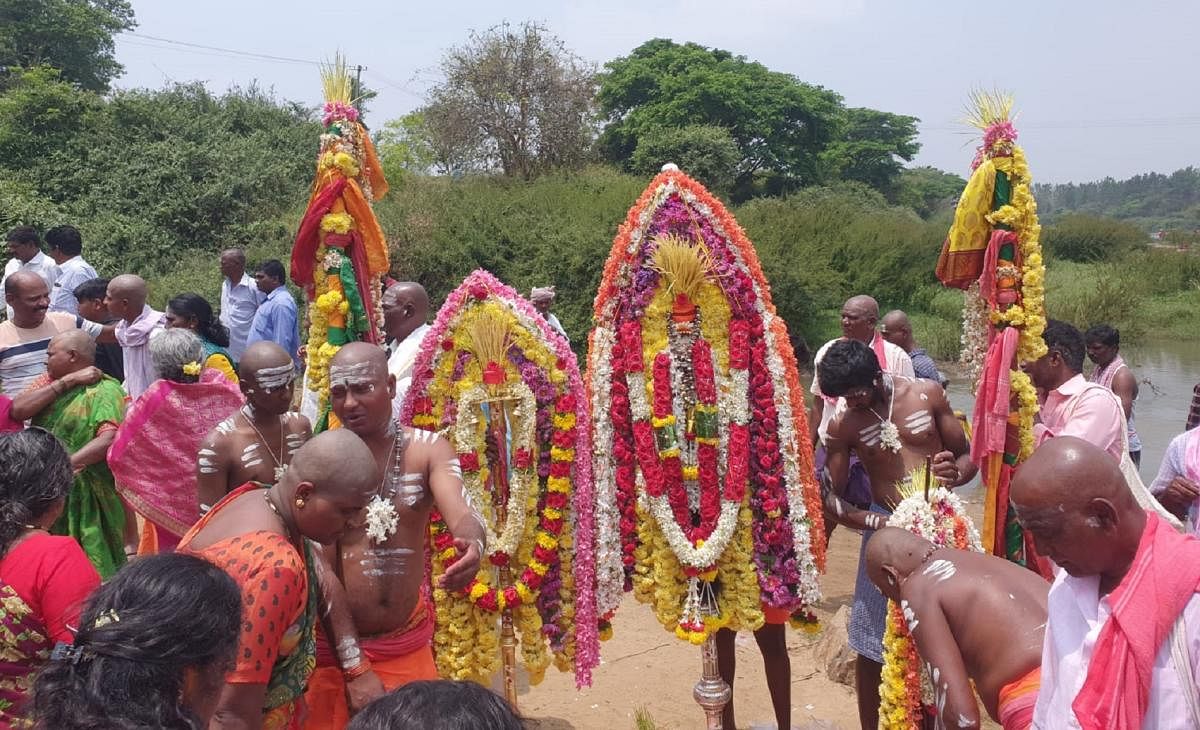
<point>1104,87</point>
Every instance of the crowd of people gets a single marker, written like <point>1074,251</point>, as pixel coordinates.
<point>178,550</point>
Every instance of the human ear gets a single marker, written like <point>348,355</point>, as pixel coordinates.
<point>1102,515</point>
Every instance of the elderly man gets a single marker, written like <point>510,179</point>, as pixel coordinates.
<point>1073,406</point>
<point>977,620</point>
<point>66,248</point>
<point>1122,645</point>
<point>256,443</point>
<point>126,298</point>
<point>240,299</point>
<point>382,567</point>
<point>405,311</point>
<point>26,251</point>
<point>25,338</point>
<point>896,329</point>
<point>893,423</point>
<point>276,319</point>
<point>85,416</point>
<point>542,298</point>
<point>1104,349</point>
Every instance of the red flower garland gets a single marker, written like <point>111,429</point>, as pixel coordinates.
<point>626,469</point>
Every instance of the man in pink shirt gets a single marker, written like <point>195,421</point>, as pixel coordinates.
<point>1072,405</point>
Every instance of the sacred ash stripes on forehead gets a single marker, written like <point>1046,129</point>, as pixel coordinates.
<point>347,375</point>
<point>275,377</point>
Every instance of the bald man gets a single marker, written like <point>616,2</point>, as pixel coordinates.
<point>263,538</point>
<point>974,618</point>
<point>405,311</point>
<point>383,574</point>
<point>240,299</point>
<point>24,339</point>
<point>85,415</point>
<point>257,442</point>
<point>896,329</point>
<point>1122,646</point>
<point>126,299</point>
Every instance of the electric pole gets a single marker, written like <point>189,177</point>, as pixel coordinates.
<point>358,69</point>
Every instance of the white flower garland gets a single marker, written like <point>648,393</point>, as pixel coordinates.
<point>523,481</point>
<point>610,571</point>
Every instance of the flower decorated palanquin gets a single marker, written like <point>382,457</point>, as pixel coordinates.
<point>993,253</point>
<point>340,256</point>
<point>491,359</point>
<point>707,506</point>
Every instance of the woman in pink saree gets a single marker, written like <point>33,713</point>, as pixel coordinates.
<point>154,455</point>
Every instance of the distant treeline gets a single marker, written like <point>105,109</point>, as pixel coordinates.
<point>1152,201</point>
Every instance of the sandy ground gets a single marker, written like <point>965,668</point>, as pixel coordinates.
<point>644,667</point>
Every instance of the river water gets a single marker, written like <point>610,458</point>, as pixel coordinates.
<point>1167,371</point>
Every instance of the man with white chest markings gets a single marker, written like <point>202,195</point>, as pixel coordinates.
<point>257,442</point>
<point>382,566</point>
<point>892,424</point>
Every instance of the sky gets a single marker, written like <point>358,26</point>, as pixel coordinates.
<point>1102,88</point>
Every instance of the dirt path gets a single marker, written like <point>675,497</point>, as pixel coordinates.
<point>644,667</point>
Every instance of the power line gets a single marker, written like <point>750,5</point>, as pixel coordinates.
<point>1184,121</point>
<point>248,54</point>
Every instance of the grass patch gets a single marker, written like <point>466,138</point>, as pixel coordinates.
<point>642,719</point>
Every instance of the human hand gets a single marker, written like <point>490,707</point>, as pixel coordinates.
<point>1179,495</point>
<point>363,690</point>
<point>87,376</point>
<point>459,575</point>
<point>945,468</point>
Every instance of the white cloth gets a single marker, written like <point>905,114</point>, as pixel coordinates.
<point>1077,613</point>
<point>898,363</point>
<point>556,325</point>
<point>139,366</point>
<point>239,302</point>
<point>1175,464</point>
<point>400,363</point>
<point>40,264</point>
<point>71,273</point>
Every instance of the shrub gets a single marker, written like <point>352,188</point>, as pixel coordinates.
<point>1084,237</point>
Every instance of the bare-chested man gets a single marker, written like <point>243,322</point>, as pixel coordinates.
<point>383,579</point>
<point>257,442</point>
<point>892,423</point>
<point>974,617</point>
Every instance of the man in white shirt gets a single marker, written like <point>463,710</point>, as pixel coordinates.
<point>240,299</point>
<point>405,310</point>
<point>1122,646</point>
<point>25,248</point>
<point>66,247</point>
<point>542,297</point>
<point>126,298</point>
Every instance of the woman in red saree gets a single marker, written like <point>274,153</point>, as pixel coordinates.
<point>263,538</point>
<point>153,457</point>
<point>44,579</point>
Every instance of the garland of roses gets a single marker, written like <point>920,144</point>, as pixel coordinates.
<point>675,204</point>
<point>904,689</point>
<point>552,598</point>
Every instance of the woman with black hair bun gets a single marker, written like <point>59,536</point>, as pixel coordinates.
<point>152,650</point>
<point>44,578</point>
<point>193,312</point>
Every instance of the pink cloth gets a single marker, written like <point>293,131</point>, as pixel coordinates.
<point>1164,576</point>
<point>153,458</point>
<point>7,425</point>
<point>1085,410</point>
<point>990,421</point>
<point>134,338</point>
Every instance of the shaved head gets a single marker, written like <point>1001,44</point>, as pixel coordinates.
<point>262,354</point>
<point>896,329</point>
<point>892,555</point>
<point>331,479</point>
<point>266,376</point>
<point>1073,499</point>
<point>859,315</point>
<point>126,296</point>
<point>76,341</point>
<point>361,389</point>
<point>405,308</point>
<point>29,297</point>
<point>23,282</point>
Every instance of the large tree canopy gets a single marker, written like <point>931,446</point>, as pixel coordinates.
<point>780,124</point>
<point>514,99</point>
<point>871,147</point>
<point>74,36</point>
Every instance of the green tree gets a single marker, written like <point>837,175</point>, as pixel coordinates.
<point>1085,237</point>
<point>780,124</point>
<point>871,148</point>
<point>705,152</point>
<point>927,190</point>
<point>404,146</point>
<point>74,36</point>
<point>514,99</point>
<point>39,116</point>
